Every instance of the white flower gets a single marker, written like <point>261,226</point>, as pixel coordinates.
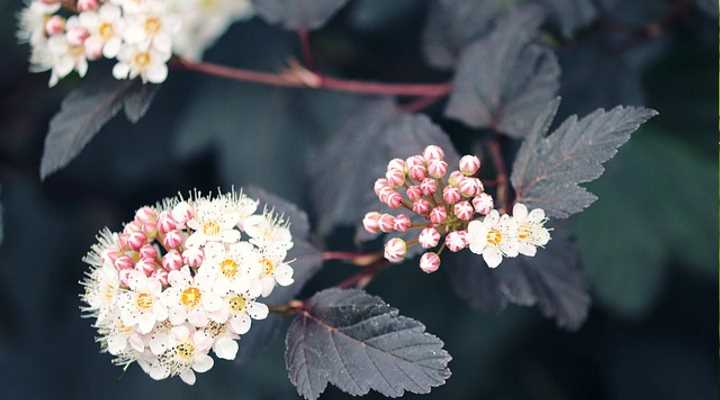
<point>274,270</point>
<point>102,290</point>
<point>224,345</point>
<point>214,221</point>
<point>186,355</point>
<point>106,30</point>
<point>147,63</point>
<point>189,298</point>
<point>530,231</point>
<point>267,231</point>
<point>120,337</point>
<point>232,267</point>
<point>204,21</point>
<point>493,238</point>
<point>240,308</point>
<point>142,305</point>
<point>32,21</point>
<point>64,58</point>
<point>153,27</point>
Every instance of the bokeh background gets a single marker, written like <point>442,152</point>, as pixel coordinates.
<point>649,243</point>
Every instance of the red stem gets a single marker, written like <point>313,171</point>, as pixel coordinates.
<point>503,190</point>
<point>304,37</point>
<point>299,77</point>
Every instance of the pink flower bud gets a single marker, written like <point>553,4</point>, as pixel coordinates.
<point>428,186</point>
<point>469,165</point>
<point>379,185</point>
<point>149,251</point>
<point>421,206</point>
<point>111,254</point>
<point>124,275</point>
<point>396,163</point>
<point>455,178</point>
<point>93,49</point>
<point>146,216</point>
<point>433,152</point>
<point>417,172</point>
<point>172,261</point>
<point>469,186</point>
<point>55,25</point>
<point>193,257</point>
<point>429,237</point>
<point>146,266</point>
<point>402,223</point>
<point>161,275</point>
<point>414,160</point>
<point>166,223</point>
<point>456,241</point>
<point>429,262</point>
<point>87,5</point>
<point>124,262</point>
<point>438,215</point>
<point>371,222</point>
<point>437,168</point>
<point>451,195</point>
<point>394,200</point>
<point>386,223</point>
<point>132,227</point>
<point>395,250</point>
<point>395,177</point>
<point>136,240</point>
<point>463,210</point>
<point>173,239</point>
<point>414,192</point>
<point>76,36</point>
<point>483,203</point>
<point>182,213</point>
<point>384,193</point>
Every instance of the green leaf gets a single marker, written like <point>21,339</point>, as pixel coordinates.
<point>357,342</point>
<point>85,111</point>
<point>655,202</point>
<point>548,170</point>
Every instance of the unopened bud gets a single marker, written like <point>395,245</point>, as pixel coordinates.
<point>429,262</point>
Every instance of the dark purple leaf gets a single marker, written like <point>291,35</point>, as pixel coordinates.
<point>298,14</point>
<point>357,342</point>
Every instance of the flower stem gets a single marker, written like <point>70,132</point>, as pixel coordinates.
<point>358,259</point>
<point>292,307</point>
<point>297,76</point>
<point>503,190</point>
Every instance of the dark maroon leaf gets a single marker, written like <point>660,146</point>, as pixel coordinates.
<point>298,14</point>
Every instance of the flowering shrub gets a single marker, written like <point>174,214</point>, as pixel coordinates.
<point>140,35</point>
<point>183,278</point>
<point>187,277</point>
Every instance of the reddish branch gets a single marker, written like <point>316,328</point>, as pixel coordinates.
<point>297,76</point>
<point>358,259</point>
<point>503,189</point>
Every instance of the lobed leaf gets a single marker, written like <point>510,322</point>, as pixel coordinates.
<point>357,342</point>
<point>298,14</point>
<point>503,81</point>
<point>307,262</point>
<point>552,280</point>
<point>343,171</point>
<point>85,111</point>
<point>548,170</point>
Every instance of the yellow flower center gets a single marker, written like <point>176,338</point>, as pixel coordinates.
<point>229,268</point>
<point>268,266</point>
<point>142,59</point>
<point>524,232</point>
<point>494,237</point>
<point>208,4</point>
<point>77,51</point>
<point>152,25</point>
<point>124,329</point>
<point>106,30</point>
<point>185,351</point>
<point>238,303</point>
<point>144,301</point>
<point>108,292</point>
<point>190,297</point>
<point>211,228</point>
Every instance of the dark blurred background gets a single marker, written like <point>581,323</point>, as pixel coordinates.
<point>649,243</point>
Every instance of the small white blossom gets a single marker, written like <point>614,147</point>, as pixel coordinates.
<point>214,221</point>
<point>141,61</point>
<point>142,306</point>
<point>530,231</point>
<point>189,299</point>
<point>186,355</point>
<point>106,30</point>
<point>493,238</point>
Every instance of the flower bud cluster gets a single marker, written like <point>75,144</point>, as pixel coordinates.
<point>453,211</point>
<point>140,35</point>
<point>183,278</point>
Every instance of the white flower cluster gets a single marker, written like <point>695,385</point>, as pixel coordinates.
<point>183,278</point>
<point>140,35</point>
<point>498,236</point>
